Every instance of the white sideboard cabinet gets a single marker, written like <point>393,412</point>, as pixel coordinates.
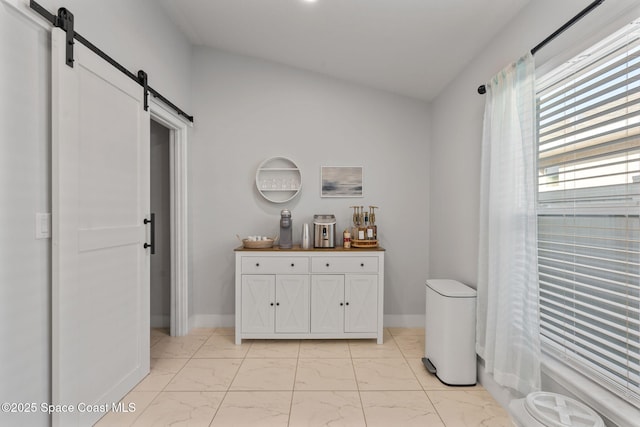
<point>317,293</point>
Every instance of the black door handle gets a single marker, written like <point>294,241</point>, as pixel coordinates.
<point>151,245</point>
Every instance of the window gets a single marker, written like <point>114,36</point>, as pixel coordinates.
<point>589,212</point>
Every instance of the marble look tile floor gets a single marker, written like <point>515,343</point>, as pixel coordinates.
<point>204,379</point>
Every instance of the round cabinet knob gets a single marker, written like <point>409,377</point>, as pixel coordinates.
<point>347,303</point>
<point>271,304</point>
<point>277,303</point>
<point>292,265</point>
<point>257,264</point>
<point>362,264</point>
<point>341,303</point>
<point>327,264</point>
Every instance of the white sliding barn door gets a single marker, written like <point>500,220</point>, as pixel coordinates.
<point>100,269</point>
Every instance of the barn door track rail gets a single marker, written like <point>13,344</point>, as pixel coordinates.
<point>65,21</point>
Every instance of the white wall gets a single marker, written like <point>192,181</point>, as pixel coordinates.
<point>24,190</point>
<point>457,129</point>
<point>139,36</point>
<point>248,110</point>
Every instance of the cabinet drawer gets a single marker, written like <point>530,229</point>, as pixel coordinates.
<point>275,265</point>
<point>347,264</point>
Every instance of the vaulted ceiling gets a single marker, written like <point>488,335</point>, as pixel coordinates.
<point>409,47</point>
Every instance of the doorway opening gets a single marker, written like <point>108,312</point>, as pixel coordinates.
<point>165,121</point>
<point>160,270</point>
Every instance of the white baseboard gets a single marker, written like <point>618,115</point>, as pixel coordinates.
<point>403,321</point>
<point>228,320</point>
<point>160,321</point>
<point>212,321</point>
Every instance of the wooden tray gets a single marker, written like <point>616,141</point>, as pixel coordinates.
<point>356,243</point>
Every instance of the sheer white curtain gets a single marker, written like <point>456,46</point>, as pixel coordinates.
<point>507,332</point>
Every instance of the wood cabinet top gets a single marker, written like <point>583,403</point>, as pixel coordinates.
<point>297,248</point>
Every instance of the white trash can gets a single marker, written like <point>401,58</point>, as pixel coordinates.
<point>450,332</point>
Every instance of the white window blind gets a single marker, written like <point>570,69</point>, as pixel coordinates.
<point>589,212</point>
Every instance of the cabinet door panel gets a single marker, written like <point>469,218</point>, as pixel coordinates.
<point>361,294</point>
<point>327,303</point>
<point>292,303</point>
<point>258,296</point>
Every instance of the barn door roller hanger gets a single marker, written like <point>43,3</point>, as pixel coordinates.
<point>65,21</point>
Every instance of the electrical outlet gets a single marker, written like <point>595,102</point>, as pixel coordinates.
<point>43,225</point>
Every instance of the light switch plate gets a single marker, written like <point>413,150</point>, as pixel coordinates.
<point>43,225</point>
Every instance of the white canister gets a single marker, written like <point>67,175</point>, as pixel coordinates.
<point>306,239</point>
